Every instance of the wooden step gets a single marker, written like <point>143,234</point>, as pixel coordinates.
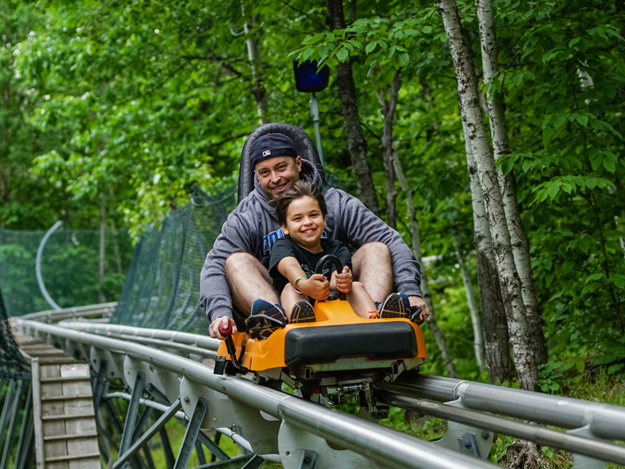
<point>69,437</point>
<point>73,457</point>
<point>46,418</point>
<point>66,398</point>
<point>64,380</point>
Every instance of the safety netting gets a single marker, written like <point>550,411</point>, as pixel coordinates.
<point>70,264</point>
<point>162,288</point>
<point>12,362</point>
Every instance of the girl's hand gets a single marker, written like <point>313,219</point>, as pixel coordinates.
<point>317,287</point>
<point>344,280</point>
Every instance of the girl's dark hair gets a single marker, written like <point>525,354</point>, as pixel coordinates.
<point>300,189</point>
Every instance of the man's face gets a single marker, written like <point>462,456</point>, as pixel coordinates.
<point>277,175</point>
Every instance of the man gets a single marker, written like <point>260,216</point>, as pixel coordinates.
<point>235,271</point>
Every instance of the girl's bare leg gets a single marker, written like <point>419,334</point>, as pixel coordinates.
<point>289,297</point>
<point>360,301</point>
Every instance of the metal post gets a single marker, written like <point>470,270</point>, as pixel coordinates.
<point>191,434</point>
<point>253,463</point>
<point>8,401</point>
<point>147,436</point>
<point>131,415</point>
<point>217,440</point>
<point>99,386</point>
<point>314,113</point>
<point>42,287</point>
<point>170,460</point>
<point>199,450</point>
<point>23,440</point>
<point>22,459</point>
<point>9,438</point>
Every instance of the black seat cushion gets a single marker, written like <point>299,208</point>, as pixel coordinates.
<point>326,344</point>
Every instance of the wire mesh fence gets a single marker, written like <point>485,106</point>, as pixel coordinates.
<point>69,267</point>
<point>162,288</point>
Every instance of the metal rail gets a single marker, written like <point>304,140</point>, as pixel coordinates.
<point>90,311</point>
<point>387,447</point>
<point>603,420</point>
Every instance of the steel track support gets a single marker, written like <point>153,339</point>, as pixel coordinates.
<point>8,402</point>
<point>190,436</point>
<point>213,447</point>
<point>9,437</point>
<point>22,459</point>
<point>236,459</point>
<point>100,384</point>
<point>170,460</point>
<point>131,414</point>
<point>253,463</point>
<point>199,450</point>
<point>217,440</point>
<point>23,440</point>
<point>147,436</point>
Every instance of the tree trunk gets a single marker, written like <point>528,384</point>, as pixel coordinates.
<point>258,88</point>
<point>496,339</point>
<point>478,337</point>
<point>501,146</point>
<point>101,296</point>
<point>118,258</point>
<point>518,327</point>
<point>388,111</point>
<point>425,287</point>
<point>349,103</point>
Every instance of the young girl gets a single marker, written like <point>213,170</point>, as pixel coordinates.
<point>302,214</point>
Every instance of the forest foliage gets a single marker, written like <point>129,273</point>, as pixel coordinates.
<point>140,100</point>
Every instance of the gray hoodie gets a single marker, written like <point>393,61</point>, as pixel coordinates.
<point>253,228</point>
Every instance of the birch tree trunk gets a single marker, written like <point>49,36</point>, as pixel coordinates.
<point>496,339</point>
<point>525,359</point>
<point>425,287</point>
<point>476,320</point>
<point>258,88</point>
<point>101,296</point>
<point>501,146</point>
<point>349,104</point>
<point>388,111</point>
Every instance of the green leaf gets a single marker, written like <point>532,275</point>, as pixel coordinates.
<point>574,41</point>
<point>307,53</point>
<point>591,183</point>
<point>554,386</point>
<point>583,120</point>
<point>593,277</point>
<point>614,368</point>
<point>609,165</point>
<point>559,121</point>
<point>427,29</point>
<point>342,54</point>
<point>548,264</point>
<point>370,47</point>
<point>553,189</point>
<point>618,280</point>
<point>403,59</point>
<point>584,244</point>
<point>518,78</point>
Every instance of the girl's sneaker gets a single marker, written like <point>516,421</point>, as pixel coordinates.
<point>302,312</point>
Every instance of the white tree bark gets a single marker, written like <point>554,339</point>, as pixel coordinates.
<point>476,320</point>
<point>258,88</point>
<point>518,327</point>
<point>496,338</point>
<point>388,149</point>
<point>501,146</point>
<point>425,287</point>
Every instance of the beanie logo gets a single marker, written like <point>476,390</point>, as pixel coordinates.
<point>267,153</point>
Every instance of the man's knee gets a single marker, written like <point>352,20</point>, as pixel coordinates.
<point>375,252</point>
<point>241,263</point>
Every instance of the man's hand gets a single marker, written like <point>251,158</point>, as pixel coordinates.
<point>317,287</point>
<point>213,329</point>
<point>344,280</point>
<point>425,311</point>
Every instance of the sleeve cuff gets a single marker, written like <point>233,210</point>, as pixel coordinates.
<point>410,289</point>
<point>220,313</point>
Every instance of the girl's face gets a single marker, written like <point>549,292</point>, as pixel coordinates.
<point>304,222</point>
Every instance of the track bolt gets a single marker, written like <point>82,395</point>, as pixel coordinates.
<point>186,399</point>
<point>307,460</point>
<point>485,435</point>
<point>467,444</point>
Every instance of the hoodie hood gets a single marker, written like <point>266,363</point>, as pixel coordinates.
<point>308,173</point>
